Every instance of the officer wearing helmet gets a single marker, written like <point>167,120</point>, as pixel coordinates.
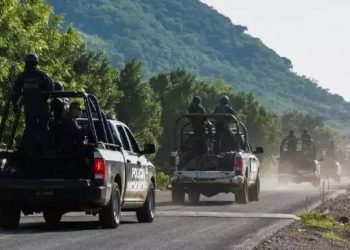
<point>58,106</point>
<point>198,123</point>
<point>221,125</point>
<point>195,145</point>
<point>224,106</point>
<point>292,141</point>
<point>31,82</point>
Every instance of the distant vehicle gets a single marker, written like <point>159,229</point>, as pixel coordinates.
<point>110,175</point>
<point>331,167</point>
<point>224,164</point>
<point>299,164</point>
<point>345,161</point>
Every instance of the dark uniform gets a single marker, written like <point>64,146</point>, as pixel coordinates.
<point>196,144</point>
<point>72,135</point>
<point>58,106</point>
<point>221,125</point>
<point>31,82</point>
<point>306,138</point>
<point>198,123</point>
<point>291,142</point>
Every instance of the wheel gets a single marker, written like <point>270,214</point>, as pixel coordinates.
<point>147,213</point>
<point>254,191</point>
<point>194,196</point>
<point>241,194</point>
<point>178,194</point>
<point>109,215</point>
<point>9,217</point>
<point>52,217</point>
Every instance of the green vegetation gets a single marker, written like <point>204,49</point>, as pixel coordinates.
<point>175,91</point>
<point>297,121</point>
<point>150,107</point>
<point>317,219</point>
<point>329,227</point>
<point>163,180</point>
<point>332,236</point>
<point>187,34</point>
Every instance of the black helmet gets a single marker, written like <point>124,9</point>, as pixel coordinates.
<point>196,100</point>
<point>58,86</point>
<point>291,132</point>
<point>305,131</point>
<point>31,59</point>
<point>224,100</point>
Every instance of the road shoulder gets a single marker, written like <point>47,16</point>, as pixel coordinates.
<point>326,227</point>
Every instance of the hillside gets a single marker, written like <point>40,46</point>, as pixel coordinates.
<point>170,34</point>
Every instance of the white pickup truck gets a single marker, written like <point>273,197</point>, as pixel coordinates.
<point>109,175</point>
<point>209,164</point>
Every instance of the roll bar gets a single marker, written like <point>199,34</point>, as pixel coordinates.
<point>91,105</point>
<point>230,117</point>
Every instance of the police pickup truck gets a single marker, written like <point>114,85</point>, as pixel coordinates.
<point>109,173</point>
<point>218,160</point>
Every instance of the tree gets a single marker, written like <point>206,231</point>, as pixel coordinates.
<point>139,107</point>
<point>298,121</point>
<point>175,91</point>
<point>31,26</point>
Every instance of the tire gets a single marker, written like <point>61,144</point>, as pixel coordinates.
<point>109,215</point>
<point>241,194</point>
<point>52,217</point>
<point>9,217</point>
<point>254,191</point>
<point>147,213</point>
<point>194,196</point>
<point>178,194</point>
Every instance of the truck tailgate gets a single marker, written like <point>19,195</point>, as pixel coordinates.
<point>44,184</point>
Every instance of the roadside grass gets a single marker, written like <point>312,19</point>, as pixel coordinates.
<point>162,180</point>
<point>332,236</point>
<point>317,220</point>
<point>330,228</point>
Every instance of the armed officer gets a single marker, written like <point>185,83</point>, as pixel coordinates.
<point>73,134</point>
<point>31,82</point>
<point>291,141</point>
<point>306,140</point>
<point>222,124</point>
<point>308,145</point>
<point>58,106</point>
<point>198,123</point>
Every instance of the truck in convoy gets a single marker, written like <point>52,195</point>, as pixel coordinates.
<point>214,161</point>
<point>110,174</point>
<point>298,163</point>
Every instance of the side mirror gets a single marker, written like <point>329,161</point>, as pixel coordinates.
<point>259,150</point>
<point>149,148</point>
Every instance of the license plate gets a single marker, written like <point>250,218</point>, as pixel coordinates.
<point>44,193</point>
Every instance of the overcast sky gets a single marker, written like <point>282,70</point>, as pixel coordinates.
<point>314,34</point>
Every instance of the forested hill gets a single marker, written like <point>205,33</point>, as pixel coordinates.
<point>170,34</point>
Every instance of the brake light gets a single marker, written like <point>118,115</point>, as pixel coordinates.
<point>239,165</point>
<point>173,161</point>
<point>100,169</point>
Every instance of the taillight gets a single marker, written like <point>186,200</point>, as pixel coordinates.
<point>239,165</point>
<point>173,160</point>
<point>100,169</point>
